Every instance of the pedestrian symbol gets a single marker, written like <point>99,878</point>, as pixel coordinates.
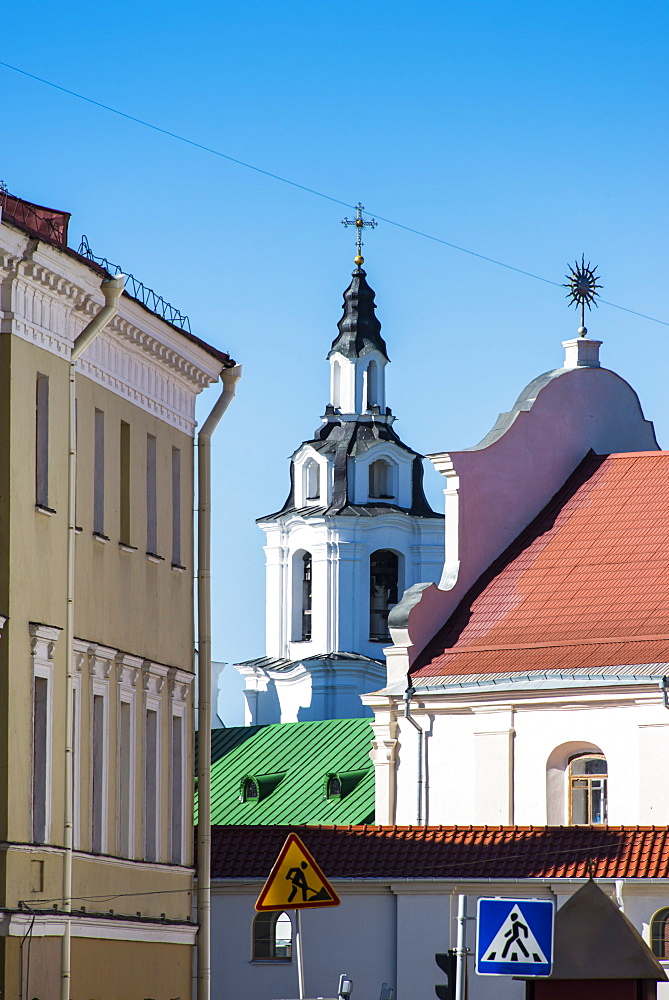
<point>296,881</point>
<point>514,937</point>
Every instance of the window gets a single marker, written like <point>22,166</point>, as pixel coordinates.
<point>99,474</point>
<point>381,480</point>
<point>177,811</point>
<point>176,507</point>
<point>40,761</point>
<point>151,786</point>
<point>42,441</point>
<point>659,934</point>
<point>383,591</point>
<point>333,787</point>
<point>250,790</point>
<point>372,385</point>
<point>124,483</point>
<point>336,384</point>
<point>306,597</point>
<point>312,480</point>
<point>98,768</point>
<point>126,764</point>
<point>151,497</point>
<point>587,789</point>
<point>272,937</point>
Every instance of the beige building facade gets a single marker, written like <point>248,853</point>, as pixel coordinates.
<point>132,738</point>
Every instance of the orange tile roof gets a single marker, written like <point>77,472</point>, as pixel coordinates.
<point>456,852</point>
<point>584,586</point>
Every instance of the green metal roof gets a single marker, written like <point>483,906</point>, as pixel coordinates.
<point>290,762</point>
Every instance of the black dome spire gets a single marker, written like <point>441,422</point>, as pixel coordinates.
<point>359,328</point>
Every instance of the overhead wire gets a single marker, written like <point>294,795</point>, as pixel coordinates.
<point>310,190</point>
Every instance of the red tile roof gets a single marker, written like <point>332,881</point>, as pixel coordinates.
<point>585,585</point>
<point>458,852</point>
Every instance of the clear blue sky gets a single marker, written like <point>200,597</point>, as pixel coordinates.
<point>527,132</point>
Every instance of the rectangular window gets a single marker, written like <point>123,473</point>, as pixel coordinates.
<point>39,762</point>
<point>42,441</point>
<point>98,768</point>
<point>99,474</point>
<point>176,507</point>
<point>151,501</point>
<point>126,758</point>
<point>124,481</point>
<point>177,790</point>
<point>151,787</point>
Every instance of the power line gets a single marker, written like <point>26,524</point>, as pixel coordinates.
<point>309,190</point>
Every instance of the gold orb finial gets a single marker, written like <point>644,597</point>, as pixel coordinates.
<point>359,260</point>
<point>360,224</point>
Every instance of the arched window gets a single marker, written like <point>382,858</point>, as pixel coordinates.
<point>372,385</point>
<point>273,937</point>
<point>587,788</point>
<point>383,587</point>
<point>659,933</point>
<point>381,480</point>
<point>250,790</point>
<point>306,597</point>
<point>333,787</point>
<point>312,480</point>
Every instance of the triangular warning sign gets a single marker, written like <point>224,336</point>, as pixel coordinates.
<point>515,942</point>
<point>296,882</point>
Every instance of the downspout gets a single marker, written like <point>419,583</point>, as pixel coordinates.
<point>230,377</point>
<point>111,289</point>
<point>408,695</point>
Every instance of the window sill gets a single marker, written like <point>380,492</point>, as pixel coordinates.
<point>178,568</point>
<point>45,511</point>
<point>377,638</point>
<point>99,537</point>
<point>124,547</point>
<point>270,961</point>
<point>154,557</point>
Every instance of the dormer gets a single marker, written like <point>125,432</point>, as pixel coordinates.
<point>311,478</point>
<point>384,474</point>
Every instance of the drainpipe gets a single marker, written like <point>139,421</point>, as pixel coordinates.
<point>408,695</point>
<point>230,377</point>
<point>111,289</point>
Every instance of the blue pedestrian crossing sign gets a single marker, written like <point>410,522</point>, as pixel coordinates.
<point>514,937</point>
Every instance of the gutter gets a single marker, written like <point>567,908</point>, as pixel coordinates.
<point>420,781</point>
<point>230,377</point>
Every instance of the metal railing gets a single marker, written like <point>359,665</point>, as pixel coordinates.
<point>138,290</point>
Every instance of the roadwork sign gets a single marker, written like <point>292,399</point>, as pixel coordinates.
<point>296,882</point>
<point>514,937</point>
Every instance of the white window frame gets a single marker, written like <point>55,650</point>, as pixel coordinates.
<point>128,672</point>
<point>43,640</point>
<point>100,663</point>
<point>153,680</point>
<point>80,654</point>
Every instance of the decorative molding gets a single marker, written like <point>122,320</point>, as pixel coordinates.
<point>43,640</point>
<point>179,683</point>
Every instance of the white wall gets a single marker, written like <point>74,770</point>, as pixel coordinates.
<point>385,931</point>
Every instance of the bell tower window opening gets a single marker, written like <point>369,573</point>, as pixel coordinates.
<point>380,480</point>
<point>336,385</point>
<point>383,592</point>
<point>312,477</point>
<point>306,597</point>
<point>588,776</point>
<point>372,385</point>
<point>659,934</point>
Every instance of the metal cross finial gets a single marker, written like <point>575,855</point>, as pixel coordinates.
<point>360,224</point>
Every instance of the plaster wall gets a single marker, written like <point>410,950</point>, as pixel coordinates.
<point>384,931</point>
<point>505,765</point>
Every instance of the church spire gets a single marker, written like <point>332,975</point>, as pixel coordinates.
<point>359,327</point>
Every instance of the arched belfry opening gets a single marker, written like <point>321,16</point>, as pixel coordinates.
<point>381,480</point>
<point>383,592</point>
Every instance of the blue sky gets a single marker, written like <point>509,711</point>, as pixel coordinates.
<point>526,132</point>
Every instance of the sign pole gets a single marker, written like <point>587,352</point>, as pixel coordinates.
<point>298,951</point>
<point>461,950</point>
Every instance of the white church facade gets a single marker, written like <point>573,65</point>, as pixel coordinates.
<point>355,532</point>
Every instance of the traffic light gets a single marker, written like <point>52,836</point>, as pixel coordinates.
<point>446,962</point>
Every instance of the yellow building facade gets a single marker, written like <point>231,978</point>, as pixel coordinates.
<point>132,740</point>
